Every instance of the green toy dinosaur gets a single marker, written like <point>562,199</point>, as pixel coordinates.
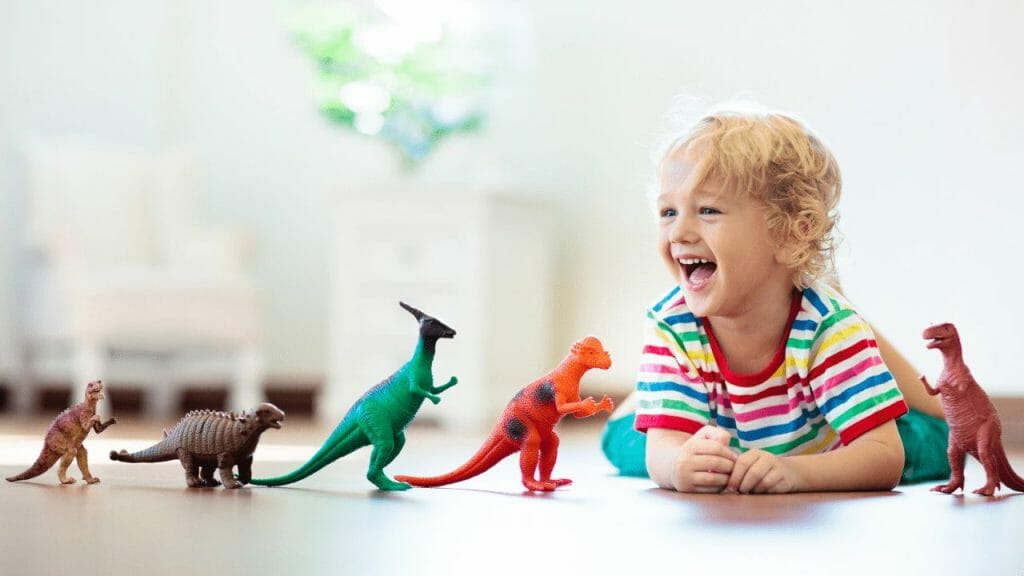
<point>380,416</point>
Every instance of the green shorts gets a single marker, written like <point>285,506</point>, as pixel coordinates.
<point>925,440</point>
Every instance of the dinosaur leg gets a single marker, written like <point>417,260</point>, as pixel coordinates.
<point>988,436</point>
<point>548,455</point>
<point>83,464</point>
<point>529,455</point>
<point>385,449</point>
<point>62,468</point>
<point>245,470</point>
<point>957,457</point>
<point>225,463</point>
<point>206,475</point>
<point>399,444</point>
<point>191,469</point>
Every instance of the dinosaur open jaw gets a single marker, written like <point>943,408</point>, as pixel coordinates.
<point>275,424</point>
<point>697,272</point>
<point>936,342</point>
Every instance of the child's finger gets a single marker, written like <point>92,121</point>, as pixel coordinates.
<point>739,471</point>
<point>757,471</point>
<point>768,482</point>
<point>710,480</point>
<point>714,433</point>
<point>712,448</point>
<point>713,463</point>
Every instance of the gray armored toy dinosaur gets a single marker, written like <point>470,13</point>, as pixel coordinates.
<point>205,440</point>
<point>380,416</point>
<point>64,437</point>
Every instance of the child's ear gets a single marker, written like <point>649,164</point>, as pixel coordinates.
<point>787,253</point>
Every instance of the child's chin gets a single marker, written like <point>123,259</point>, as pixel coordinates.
<point>696,302</point>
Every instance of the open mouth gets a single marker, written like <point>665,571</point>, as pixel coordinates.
<point>935,342</point>
<point>697,271</point>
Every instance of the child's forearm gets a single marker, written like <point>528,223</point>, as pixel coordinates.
<point>663,452</point>
<point>872,462</point>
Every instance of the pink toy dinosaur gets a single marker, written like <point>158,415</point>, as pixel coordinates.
<point>974,426</point>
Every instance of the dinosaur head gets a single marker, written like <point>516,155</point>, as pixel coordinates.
<point>591,353</point>
<point>430,328</point>
<point>94,391</point>
<point>267,415</point>
<point>942,337</point>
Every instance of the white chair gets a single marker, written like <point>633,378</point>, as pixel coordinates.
<point>117,262</point>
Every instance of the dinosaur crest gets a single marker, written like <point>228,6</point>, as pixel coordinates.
<point>591,353</point>
<point>430,327</point>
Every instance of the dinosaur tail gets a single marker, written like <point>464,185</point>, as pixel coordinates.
<point>160,452</point>
<point>345,439</point>
<point>1007,476</point>
<point>495,448</point>
<point>46,459</point>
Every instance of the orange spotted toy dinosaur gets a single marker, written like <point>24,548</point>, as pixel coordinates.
<point>528,423</point>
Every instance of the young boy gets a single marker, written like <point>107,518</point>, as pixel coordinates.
<point>757,376</point>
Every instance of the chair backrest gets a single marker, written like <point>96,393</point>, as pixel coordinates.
<point>106,207</point>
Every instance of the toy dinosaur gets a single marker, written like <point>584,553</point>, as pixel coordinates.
<point>380,416</point>
<point>974,426</point>
<point>64,437</point>
<point>527,424</point>
<point>208,440</point>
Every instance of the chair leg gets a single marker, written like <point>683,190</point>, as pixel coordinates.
<point>246,388</point>
<point>23,393</point>
<point>162,393</point>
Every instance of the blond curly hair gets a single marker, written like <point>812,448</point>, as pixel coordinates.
<point>778,161</point>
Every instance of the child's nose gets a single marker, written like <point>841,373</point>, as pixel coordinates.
<point>683,230</point>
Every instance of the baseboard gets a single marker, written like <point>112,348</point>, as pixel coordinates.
<point>296,396</point>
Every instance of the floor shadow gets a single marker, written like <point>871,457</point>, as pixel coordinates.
<point>759,509</point>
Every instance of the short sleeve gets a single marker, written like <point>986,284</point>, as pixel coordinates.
<point>669,394</point>
<point>851,385</point>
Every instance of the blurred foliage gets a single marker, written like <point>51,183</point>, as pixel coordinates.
<point>411,83</point>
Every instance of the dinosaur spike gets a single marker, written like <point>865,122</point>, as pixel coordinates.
<point>416,313</point>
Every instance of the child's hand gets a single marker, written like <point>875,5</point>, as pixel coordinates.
<point>705,462</point>
<point>760,472</point>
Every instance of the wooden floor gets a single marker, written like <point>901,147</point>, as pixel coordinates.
<point>141,519</point>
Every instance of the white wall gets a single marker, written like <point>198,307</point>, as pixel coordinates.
<point>917,99</point>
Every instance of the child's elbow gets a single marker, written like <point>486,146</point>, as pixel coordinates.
<point>892,469</point>
<point>891,460</point>
<point>884,457</point>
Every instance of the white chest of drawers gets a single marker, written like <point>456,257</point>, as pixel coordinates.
<point>483,264</point>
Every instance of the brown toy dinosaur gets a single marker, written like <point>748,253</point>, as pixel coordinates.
<point>205,441</point>
<point>63,440</point>
<point>974,426</point>
<point>528,422</point>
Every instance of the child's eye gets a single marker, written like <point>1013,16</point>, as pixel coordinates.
<point>709,211</point>
<point>668,212</point>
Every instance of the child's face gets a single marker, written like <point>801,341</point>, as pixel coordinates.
<point>716,243</point>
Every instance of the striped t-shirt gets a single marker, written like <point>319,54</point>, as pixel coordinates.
<point>826,386</point>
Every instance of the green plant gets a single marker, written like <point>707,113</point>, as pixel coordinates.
<point>411,82</point>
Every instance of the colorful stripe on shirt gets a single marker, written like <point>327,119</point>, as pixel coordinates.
<point>830,388</point>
